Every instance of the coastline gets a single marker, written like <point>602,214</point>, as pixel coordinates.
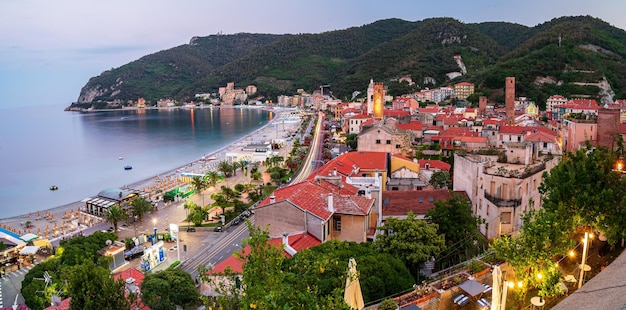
<point>59,212</point>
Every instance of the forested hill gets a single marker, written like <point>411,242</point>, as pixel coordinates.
<point>566,56</point>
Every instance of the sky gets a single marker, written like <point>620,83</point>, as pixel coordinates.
<point>50,49</point>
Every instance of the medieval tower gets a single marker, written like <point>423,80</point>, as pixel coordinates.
<point>379,94</point>
<point>509,99</point>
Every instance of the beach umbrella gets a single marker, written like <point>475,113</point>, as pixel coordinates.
<point>55,225</point>
<point>30,214</point>
<point>353,295</point>
<point>496,292</point>
<point>38,231</point>
<point>38,214</point>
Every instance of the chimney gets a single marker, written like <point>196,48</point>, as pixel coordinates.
<point>285,238</point>
<point>272,198</point>
<point>331,207</point>
<point>335,172</point>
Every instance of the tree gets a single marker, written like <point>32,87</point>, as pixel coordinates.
<point>351,140</point>
<point>543,235</point>
<point>199,184</point>
<point>211,177</point>
<point>439,179</point>
<point>115,214</point>
<point>92,286</point>
<point>189,206</point>
<point>584,190</point>
<point>225,167</point>
<point>410,239</point>
<point>140,207</point>
<point>166,289</point>
<point>388,304</point>
<point>197,214</point>
<point>455,221</point>
<point>267,285</point>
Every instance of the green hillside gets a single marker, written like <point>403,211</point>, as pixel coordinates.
<point>589,50</point>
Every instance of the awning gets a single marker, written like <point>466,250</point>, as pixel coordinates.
<point>42,243</point>
<point>29,237</point>
<point>29,250</point>
<point>472,287</point>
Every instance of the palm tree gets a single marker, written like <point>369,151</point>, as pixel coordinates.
<point>225,167</point>
<point>115,214</point>
<point>189,206</point>
<point>212,177</point>
<point>199,184</point>
<point>140,206</point>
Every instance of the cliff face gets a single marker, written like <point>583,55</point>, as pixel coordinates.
<point>90,92</point>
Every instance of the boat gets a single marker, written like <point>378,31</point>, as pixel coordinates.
<point>54,188</point>
<point>120,158</point>
<point>128,167</point>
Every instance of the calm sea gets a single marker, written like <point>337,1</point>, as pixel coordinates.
<point>79,152</point>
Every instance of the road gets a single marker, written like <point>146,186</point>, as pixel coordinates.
<point>218,251</point>
<point>310,161</point>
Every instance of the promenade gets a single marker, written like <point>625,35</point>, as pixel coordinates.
<point>67,220</point>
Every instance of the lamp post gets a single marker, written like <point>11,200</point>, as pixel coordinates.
<point>155,230</point>
<point>584,260</point>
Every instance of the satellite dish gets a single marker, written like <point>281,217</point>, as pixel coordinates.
<point>109,242</point>
<point>56,300</point>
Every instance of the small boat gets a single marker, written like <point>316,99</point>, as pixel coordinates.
<point>54,188</point>
<point>120,158</point>
<point>128,167</point>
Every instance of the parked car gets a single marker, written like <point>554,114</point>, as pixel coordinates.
<point>236,221</point>
<point>134,252</point>
<point>191,229</point>
<point>217,229</point>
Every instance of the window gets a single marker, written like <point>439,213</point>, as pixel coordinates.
<point>337,222</point>
<point>545,145</point>
<point>388,141</point>
<point>397,146</point>
<point>505,218</point>
<point>377,141</point>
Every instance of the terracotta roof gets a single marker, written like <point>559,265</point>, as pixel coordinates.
<point>364,160</point>
<point>396,113</point>
<point>130,273</point>
<point>516,130</point>
<point>358,116</point>
<point>413,125</point>
<point>540,137</point>
<point>463,84</point>
<point>429,110</point>
<point>298,242</point>
<point>312,196</point>
<point>434,164</point>
<point>471,139</point>
<point>399,203</point>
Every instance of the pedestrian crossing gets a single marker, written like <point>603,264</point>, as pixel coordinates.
<point>11,276</point>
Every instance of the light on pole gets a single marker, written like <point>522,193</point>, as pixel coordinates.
<point>583,264</point>
<point>155,230</point>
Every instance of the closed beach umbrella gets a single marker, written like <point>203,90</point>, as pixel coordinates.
<point>353,295</point>
<point>38,214</point>
<point>496,291</point>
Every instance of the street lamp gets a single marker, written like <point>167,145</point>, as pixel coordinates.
<point>583,265</point>
<point>155,230</point>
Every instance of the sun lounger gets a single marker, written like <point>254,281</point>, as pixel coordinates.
<point>483,303</point>
<point>487,288</point>
<point>460,299</point>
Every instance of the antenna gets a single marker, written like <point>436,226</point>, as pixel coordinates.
<point>46,278</point>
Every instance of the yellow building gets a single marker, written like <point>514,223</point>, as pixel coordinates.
<point>463,90</point>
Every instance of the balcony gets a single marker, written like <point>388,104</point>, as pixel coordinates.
<point>500,202</point>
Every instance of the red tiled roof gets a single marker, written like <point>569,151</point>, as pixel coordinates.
<point>364,160</point>
<point>413,125</point>
<point>298,242</point>
<point>434,164</point>
<point>463,84</point>
<point>64,305</point>
<point>540,137</point>
<point>358,116</point>
<point>516,130</point>
<point>470,139</point>
<point>396,113</point>
<point>130,273</point>
<point>312,196</point>
<point>399,203</point>
<point>429,110</point>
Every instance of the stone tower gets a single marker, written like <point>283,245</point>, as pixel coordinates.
<point>608,127</point>
<point>379,93</point>
<point>482,105</point>
<point>509,99</point>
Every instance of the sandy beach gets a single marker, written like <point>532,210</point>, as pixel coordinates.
<point>68,220</point>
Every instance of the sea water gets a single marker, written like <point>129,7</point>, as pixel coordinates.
<point>84,153</point>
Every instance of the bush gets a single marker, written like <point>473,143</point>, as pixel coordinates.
<point>388,304</point>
